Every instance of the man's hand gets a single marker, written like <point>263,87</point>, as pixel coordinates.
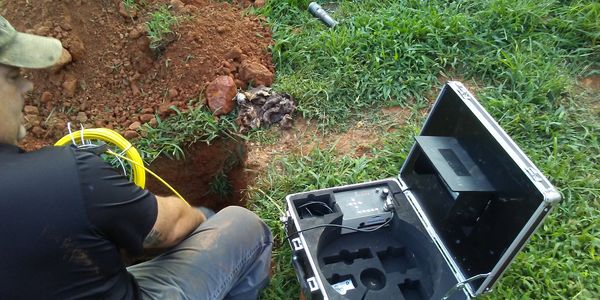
<point>175,221</point>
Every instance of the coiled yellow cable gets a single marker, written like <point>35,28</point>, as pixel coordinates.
<point>130,153</point>
<point>110,137</point>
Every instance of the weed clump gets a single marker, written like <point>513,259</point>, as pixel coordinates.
<point>130,5</point>
<point>160,28</point>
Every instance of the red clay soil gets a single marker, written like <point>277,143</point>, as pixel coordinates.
<point>114,79</point>
<point>193,177</point>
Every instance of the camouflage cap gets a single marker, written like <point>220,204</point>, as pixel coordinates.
<point>27,50</point>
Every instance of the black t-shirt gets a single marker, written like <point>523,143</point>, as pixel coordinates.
<point>64,215</point>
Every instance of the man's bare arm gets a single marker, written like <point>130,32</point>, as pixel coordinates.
<point>175,221</point>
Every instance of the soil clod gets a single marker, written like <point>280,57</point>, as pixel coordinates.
<point>130,134</point>
<point>64,60</point>
<point>135,125</point>
<point>46,97</point>
<point>82,117</point>
<point>70,85</point>
<point>255,73</point>
<point>31,110</point>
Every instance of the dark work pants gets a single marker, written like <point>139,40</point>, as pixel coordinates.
<point>226,257</point>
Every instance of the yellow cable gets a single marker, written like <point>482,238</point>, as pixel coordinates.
<point>151,173</point>
<point>111,137</point>
<point>131,154</point>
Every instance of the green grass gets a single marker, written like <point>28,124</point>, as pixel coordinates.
<point>160,25</point>
<point>172,135</point>
<point>130,5</point>
<point>220,186</point>
<point>392,52</point>
<point>525,57</point>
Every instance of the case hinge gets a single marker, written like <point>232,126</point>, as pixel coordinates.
<point>462,90</point>
<point>534,174</point>
<point>403,185</point>
<point>461,285</point>
<point>285,218</point>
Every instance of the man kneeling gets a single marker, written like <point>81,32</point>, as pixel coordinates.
<point>66,215</point>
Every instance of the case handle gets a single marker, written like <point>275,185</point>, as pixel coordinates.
<point>301,275</point>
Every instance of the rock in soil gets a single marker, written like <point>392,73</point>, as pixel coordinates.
<point>146,117</point>
<point>135,125</point>
<point>173,93</point>
<point>32,120</point>
<point>31,110</point>
<point>42,30</point>
<point>70,86</point>
<point>137,32</point>
<point>286,122</point>
<point>38,131</point>
<point>592,82</point>
<point>240,84</point>
<point>234,54</point>
<point>164,109</point>
<point>46,97</point>
<point>255,73</point>
<point>263,107</point>
<point>178,6</point>
<point>219,95</point>
<point>130,134</point>
<point>82,117</point>
<point>76,48</point>
<point>147,110</point>
<point>153,122</point>
<point>135,89</point>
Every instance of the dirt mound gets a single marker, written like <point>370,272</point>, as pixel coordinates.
<point>114,80</point>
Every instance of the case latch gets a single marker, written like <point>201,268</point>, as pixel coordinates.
<point>461,285</point>
<point>312,284</point>
<point>297,244</point>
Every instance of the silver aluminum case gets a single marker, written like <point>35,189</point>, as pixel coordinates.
<point>550,198</point>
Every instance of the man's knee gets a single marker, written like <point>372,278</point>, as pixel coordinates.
<point>245,219</point>
<point>241,213</point>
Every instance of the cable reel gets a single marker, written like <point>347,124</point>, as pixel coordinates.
<point>128,152</point>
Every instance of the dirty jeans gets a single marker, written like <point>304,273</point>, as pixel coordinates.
<point>226,257</point>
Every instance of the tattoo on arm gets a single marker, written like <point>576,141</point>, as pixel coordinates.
<point>153,239</point>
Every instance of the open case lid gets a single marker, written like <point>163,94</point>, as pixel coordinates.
<point>477,193</point>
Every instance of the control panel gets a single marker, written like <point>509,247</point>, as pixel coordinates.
<point>365,208</point>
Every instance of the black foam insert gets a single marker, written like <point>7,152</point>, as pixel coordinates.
<point>348,257</point>
<point>412,290</point>
<point>395,259</point>
<point>379,263</point>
